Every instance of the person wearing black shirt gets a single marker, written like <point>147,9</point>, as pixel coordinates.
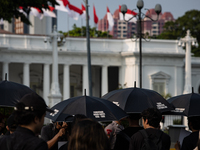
<point>190,141</point>
<point>53,133</point>
<point>122,141</point>
<point>29,115</point>
<point>151,118</point>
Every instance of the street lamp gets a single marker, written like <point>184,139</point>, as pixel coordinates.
<point>188,40</point>
<point>55,95</point>
<point>141,16</point>
<point>88,49</point>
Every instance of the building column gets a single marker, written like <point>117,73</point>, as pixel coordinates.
<point>66,81</point>
<point>55,95</point>
<point>85,80</point>
<point>104,80</point>
<point>26,74</point>
<point>122,76</point>
<point>5,70</point>
<point>46,83</point>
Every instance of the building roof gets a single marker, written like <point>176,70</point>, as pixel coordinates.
<point>167,16</point>
<point>5,32</point>
<point>116,14</point>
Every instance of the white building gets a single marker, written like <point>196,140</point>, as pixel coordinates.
<point>27,60</point>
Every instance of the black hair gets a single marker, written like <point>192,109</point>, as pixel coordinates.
<point>153,116</point>
<point>24,116</point>
<point>135,116</point>
<point>195,122</point>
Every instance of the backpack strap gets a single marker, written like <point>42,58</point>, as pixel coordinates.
<point>144,133</point>
<point>159,142</point>
<point>158,134</point>
<point>124,135</point>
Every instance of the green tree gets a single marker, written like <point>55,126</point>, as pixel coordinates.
<point>78,32</point>
<point>10,8</point>
<point>189,21</point>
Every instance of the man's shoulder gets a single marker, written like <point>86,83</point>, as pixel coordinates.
<point>151,131</point>
<point>29,142</point>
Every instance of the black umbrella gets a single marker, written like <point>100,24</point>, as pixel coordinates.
<point>189,104</point>
<point>11,93</point>
<point>135,100</point>
<point>92,107</point>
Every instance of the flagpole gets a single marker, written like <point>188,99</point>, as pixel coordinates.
<point>107,22</point>
<point>81,27</point>
<point>88,50</point>
<point>68,24</point>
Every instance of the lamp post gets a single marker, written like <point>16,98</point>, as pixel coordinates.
<point>88,49</point>
<point>55,95</point>
<point>188,40</point>
<point>140,16</point>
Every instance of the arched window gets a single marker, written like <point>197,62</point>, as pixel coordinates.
<point>159,82</point>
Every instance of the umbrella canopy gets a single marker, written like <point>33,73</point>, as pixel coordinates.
<point>135,100</point>
<point>11,93</point>
<point>92,107</point>
<point>189,104</point>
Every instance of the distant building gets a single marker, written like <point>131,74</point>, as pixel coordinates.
<point>38,26</point>
<point>156,27</point>
<point>122,29</point>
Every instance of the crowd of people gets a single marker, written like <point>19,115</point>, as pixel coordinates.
<point>26,131</point>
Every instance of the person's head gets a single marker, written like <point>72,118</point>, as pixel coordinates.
<point>133,119</point>
<point>135,116</point>
<point>151,117</point>
<point>11,124</point>
<point>76,118</point>
<point>88,134</point>
<point>30,111</point>
<point>194,123</point>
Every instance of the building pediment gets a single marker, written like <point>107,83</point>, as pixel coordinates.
<point>160,75</point>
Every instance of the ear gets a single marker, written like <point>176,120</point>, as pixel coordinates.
<point>7,128</point>
<point>36,120</point>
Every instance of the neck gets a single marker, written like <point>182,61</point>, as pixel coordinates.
<point>30,127</point>
<point>194,130</point>
<point>148,126</point>
<point>134,123</point>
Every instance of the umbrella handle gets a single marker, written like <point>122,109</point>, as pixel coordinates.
<point>85,91</point>
<point>6,76</point>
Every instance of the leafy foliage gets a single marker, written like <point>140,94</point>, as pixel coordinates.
<point>78,32</point>
<point>189,21</point>
<point>177,122</point>
<point>10,8</point>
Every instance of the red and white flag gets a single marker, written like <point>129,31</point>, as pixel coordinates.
<point>61,6</point>
<point>75,12</point>
<point>36,12</point>
<point>110,20</point>
<point>129,14</point>
<point>22,11</point>
<point>96,19</point>
<point>84,12</point>
<point>49,13</point>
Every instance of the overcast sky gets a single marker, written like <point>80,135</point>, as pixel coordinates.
<point>176,7</point>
